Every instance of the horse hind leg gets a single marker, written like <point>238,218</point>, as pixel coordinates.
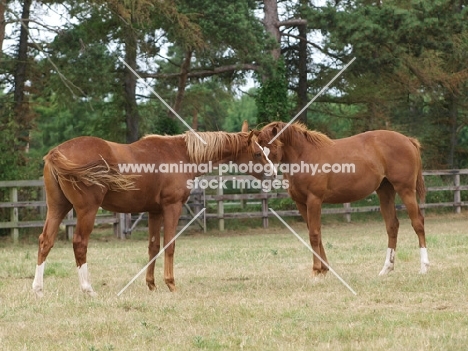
<point>386,194</point>
<point>46,242</point>
<point>408,196</point>
<point>57,207</point>
<point>154,226</point>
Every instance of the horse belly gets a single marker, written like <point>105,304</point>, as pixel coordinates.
<point>127,202</point>
<point>349,190</point>
<point>344,197</point>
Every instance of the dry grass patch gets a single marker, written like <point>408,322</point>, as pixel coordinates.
<point>246,291</point>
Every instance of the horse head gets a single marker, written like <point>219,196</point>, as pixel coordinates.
<point>270,142</point>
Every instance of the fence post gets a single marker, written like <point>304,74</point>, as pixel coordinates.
<point>69,228</point>
<point>43,209</point>
<point>242,201</point>
<point>265,210</point>
<point>220,207</point>
<point>14,215</point>
<point>347,207</point>
<point>116,225</point>
<point>204,213</point>
<point>196,196</point>
<point>122,226</point>
<point>423,209</point>
<point>456,193</point>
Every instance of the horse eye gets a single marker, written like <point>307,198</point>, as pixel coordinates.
<point>257,154</point>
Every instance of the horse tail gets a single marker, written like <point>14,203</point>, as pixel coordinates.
<point>93,173</point>
<point>420,186</point>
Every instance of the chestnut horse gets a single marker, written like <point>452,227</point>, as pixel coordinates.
<point>83,174</point>
<point>346,170</point>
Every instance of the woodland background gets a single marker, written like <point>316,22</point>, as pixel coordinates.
<point>220,62</point>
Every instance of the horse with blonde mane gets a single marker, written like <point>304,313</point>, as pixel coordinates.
<point>83,174</point>
<point>386,162</point>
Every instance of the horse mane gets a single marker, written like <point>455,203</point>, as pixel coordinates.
<point>216,145</point>
<point>297,130</point>
<point>93,173</point>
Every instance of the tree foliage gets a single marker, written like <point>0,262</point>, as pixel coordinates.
<point>409,75</point>
<point>272,98</point>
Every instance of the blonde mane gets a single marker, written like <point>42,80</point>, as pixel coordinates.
<point>294,131</point>
<point>217,143</point>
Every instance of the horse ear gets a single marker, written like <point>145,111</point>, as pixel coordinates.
<point>245,127</point>
<point>274,131</point>
<point>251,134</point>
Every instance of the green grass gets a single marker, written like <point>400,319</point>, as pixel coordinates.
<point>246,290</point>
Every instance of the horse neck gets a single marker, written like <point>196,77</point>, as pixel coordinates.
<point>297,146</point>
<point>232,151</point>
<point>291,154</point>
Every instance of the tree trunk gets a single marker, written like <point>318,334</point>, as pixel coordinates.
<point>22,112</point>
<point>271,23</point>
<point>184,70</point>
<point>130,80</point>
<point>302,66</point>
<point>2,25</point>
<point>195,119</point>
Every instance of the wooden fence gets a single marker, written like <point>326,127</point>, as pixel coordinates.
<point>122,223</point>
<point>346,210</point>
<point>117,220</point>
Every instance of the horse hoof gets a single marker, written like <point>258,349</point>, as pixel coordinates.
<point>385,270</point>
<point>172,287</point>
<point>170,282</point>
<point>39,293</point>
<point>424,268</point>
<point>318,275</point>
<point>91,293</point>
<point>151,286</point>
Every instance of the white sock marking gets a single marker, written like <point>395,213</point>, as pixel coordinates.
<point>38,283</point>
<point>389,262</point>
<point>424,260</point>
<point>84,281</point>
<point>266,152</point>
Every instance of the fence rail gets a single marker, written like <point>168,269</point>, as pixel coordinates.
<point>347,208</point>
<point>122,222</point>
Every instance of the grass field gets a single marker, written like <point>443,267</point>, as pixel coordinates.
<point>246,290</point>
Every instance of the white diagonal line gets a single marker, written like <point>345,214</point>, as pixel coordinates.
<point>160,98</point>
<point>265,153</point>
<point>160,252</point>
<point>312,250</point>
<point>311,101</point>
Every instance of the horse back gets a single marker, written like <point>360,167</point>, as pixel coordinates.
<point>90,168</point>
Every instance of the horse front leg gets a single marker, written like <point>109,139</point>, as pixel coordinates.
<point>154,226</point>
<point>172,214</point>
<point>314,207</point>
<point>84,227</point>
<point>321,252</point>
